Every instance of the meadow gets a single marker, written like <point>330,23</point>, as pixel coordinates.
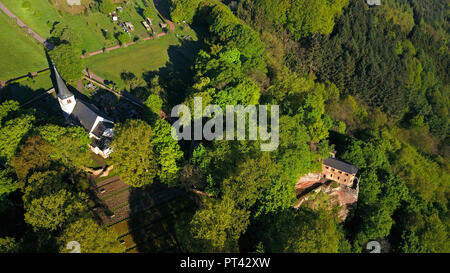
<point>29,88</point>
<point>41,16</point>
<point>140,58</point>
<point>19,53</point>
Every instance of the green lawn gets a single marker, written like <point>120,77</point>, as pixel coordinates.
<point>29,88</point>
<point>36,16</point>
<point>142,57</point>
<point>19,54</point>
<point>42,15</point>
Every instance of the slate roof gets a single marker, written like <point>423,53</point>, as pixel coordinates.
<point>84,115</point>
<point>340,165</point>
<point>61,88</point>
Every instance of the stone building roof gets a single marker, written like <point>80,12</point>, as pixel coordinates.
<point>340,165</point>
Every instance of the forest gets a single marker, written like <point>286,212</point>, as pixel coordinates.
<point>368,82</point>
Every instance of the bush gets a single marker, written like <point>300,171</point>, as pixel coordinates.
<point>26,5</point>
<point>123,38</point>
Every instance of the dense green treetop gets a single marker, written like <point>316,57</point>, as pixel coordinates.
<point>53,211</point>
<point>133,154</point>
<point>67,59</point>
<point>92,238</point>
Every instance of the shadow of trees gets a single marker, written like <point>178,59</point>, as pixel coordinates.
<point>46,109</point>
<point>176,77</point>
<point>163,7</point>
<point>160,219</point>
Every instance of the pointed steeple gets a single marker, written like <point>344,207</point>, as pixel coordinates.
<point>61,88</point>
<point>65,98</point>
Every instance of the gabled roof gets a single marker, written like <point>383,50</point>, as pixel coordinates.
<point>101,128</point>
<point>61,88</point>
<point>85,115</point>
<point>340,165</point>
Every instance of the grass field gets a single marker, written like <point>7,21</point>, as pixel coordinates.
<point>41,16</point>
<point>29,88</point>
<point>19,54</point>
<point>139,58</point>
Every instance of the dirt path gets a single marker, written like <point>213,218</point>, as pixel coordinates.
<point>23,25</point>
<point>80,86</point>
<point>94,76</point>
<point>170,23</point>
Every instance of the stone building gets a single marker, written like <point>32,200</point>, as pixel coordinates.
<point>337,180</point>
<point>339,171</point>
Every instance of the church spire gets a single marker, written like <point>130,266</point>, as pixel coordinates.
<point>65,98</point>
<point>61,88</point>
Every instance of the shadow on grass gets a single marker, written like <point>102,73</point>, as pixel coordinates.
<point>46,108</point>
<point>163,6</point>
<point>20,93</point>
<point>176,76</point>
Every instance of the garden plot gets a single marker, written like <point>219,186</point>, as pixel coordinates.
<point>154,199</point>
<point>137,201</point>
<point>118,215</point>
<point>132,250</point>
<point>147,217</point>
<point>108,189</point>
<point>117,200</point>
<point>155,229</point>
<point>107,181</point>
<point>128,241</point>
<point>121,228</point>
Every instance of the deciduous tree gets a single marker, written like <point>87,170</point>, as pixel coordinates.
<point>133,154</point>
<point>92,237</point>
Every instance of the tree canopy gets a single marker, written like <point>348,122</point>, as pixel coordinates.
<point>92,238</point>
<point>133,154</point>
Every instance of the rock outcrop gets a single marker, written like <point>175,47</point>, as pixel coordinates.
<point>311,187</point>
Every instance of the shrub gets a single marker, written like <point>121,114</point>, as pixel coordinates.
<point>26,5</point>
<point>123,38</point>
